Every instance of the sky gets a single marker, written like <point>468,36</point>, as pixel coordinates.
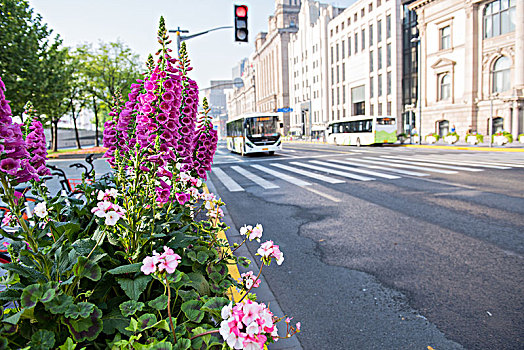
<point>135,22</point>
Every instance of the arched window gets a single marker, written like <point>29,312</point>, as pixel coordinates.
<point>443,128</point>
<point>501,75</point>
<point>445,87</point>
<point>499,17</point>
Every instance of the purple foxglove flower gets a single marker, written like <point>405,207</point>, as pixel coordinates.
<point>10,166</point>
<point>150,86</point>
<point>161,118</point>
<point>168,96</point>
<point>169,84</point>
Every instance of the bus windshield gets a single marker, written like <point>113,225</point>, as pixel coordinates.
<point>261,126</point>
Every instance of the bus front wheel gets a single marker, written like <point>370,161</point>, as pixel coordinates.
<point>271,153</point>
<point>358,142</point>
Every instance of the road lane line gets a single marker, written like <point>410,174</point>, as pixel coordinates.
<point>322,194</point>
<point>356,162</point>
<point>454,161</point>
<point>255,178</point>
<point>333,171</point>
<point>489,162</point>
<point>406,166</point>
<point>281,176</point>
<point>395,159</point>
<point>328,179</point>
<point>356,170</point>
<point>227,181</point>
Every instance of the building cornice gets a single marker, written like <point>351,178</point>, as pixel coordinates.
<point>418,4</point>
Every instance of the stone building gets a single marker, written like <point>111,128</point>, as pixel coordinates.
<point>216,97</point>
<point>242,100</point>
<point>270,59</point>
<point>472,54</point>
<point>308,70</point>
<point>365,66</point>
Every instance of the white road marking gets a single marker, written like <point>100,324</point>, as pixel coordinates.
<point>333,171</point>
<point>357,162</point>
<point>381,161</point>
<point>454,161</point>
<point>322,194</point>
<point>356,170</point>
<point>328,179</point>
<point>281,176</point>
<point>395,159</point>
<point>227,181</point>
<point>255,178</point>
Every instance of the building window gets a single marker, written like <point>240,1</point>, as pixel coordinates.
<point>370,35</point>
<point>370,7</point>
<point>388,26</point>
<point>332,97</point>
<point>388,83</point>
<point>332,55</point>
<point>379,30</point>
<point>371,61</point>
<point>362,13</point>
<point>380,108</point>
<point>363,38</point>
<point>338,95</point>
<point>336,29</point>
<point>499,17</point>
<point>371,88</point>
<point>379,58</point>
<point>356,43</point>
<point>343,49</point>
<point>372,109</point>
<point>445,87</point>
<point>379,83</point>
<point>349,21</point>
<point>501,74</point>
<point>343,71</point>
<point>332,75</point>
<point>342,26</point>
<point>349,46</point>
<point>355,17</point>
<point>337,52</point>
<point>379,2</point>
<point>358,98</point>
<point>343,94</point>
<point>388,55</point>
<point>445,38</point>
<point>389,108</point>
<point>338,74</point>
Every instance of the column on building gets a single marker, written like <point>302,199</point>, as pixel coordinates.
<point>518,104</point>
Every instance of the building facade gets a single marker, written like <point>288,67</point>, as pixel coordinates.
<point>365,66</point>
<point>472,65</point>
<point>308,70</point>
<point>216,97</point>
<point>242,100</point>
<point>270,60</point>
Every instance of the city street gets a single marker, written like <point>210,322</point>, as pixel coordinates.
<point>387,247</point>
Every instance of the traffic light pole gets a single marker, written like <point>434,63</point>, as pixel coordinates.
<point>180,38</point>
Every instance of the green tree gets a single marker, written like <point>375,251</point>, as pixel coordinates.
<point>24,40</point>
<point>109,68</point>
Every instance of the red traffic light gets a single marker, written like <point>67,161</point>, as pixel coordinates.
<point>241,11</point>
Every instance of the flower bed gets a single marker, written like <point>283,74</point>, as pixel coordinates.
<point>501,138</point>
<point>432,138</point>
<point>451,138</point>
<point>129,266</point>
<point>474,139</point>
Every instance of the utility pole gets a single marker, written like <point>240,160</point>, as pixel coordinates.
<point>419,88</point>
<point>180,38</point>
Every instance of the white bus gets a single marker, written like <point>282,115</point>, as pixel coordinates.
<point>362,130</point>
<point>254,133</point>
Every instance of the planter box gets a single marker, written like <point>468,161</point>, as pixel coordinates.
<point>451,139</point>
<point>431,139</point>
<point>500,140</point>
<point>521,139</point>
<point>472,140</point>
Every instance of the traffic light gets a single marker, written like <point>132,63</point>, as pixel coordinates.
<point>241,23</point>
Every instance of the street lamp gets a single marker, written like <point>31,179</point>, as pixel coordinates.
<point>180,38</point>
<point>493,96</point>
<point>419,88</point>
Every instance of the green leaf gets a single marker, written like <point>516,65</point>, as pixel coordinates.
<point>159,303</point>
<point>13,319</point>
<point>133,325</point>
<point>162,346</point>
<point>85,328</point>
<point>192,310</point>
<point>59,304</point>
<point>198,281</point>
<point>188,294</point>
<point>82,310</point>
<point>202,257</point>
<point>198,342</point>
<point>68,345</point>
<point>42,340</point>
<point>31,295</point>
<point>217,272</point>
<point>183,344</point>
<point>131,307</point>
<point>115,321</point>
<point>9,295</point>
<point>31,274</point>
<point>134,288</point>
<point>215,304</point>
<point>146,321</point>
<point>88,269</point>
<point>162,324</point>
<point>126,269</point>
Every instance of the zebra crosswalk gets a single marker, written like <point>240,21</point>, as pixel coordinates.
<point>352,167</point>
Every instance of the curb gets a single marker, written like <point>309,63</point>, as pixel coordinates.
<point>264,292</point>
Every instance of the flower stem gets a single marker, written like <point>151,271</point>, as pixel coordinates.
<point>169,308</point>
<point>256,278</point>
<point>205,333</point>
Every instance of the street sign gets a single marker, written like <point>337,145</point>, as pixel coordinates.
<point>285,110</point>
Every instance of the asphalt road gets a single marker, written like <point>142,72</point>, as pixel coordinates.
<point>406,256</point>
